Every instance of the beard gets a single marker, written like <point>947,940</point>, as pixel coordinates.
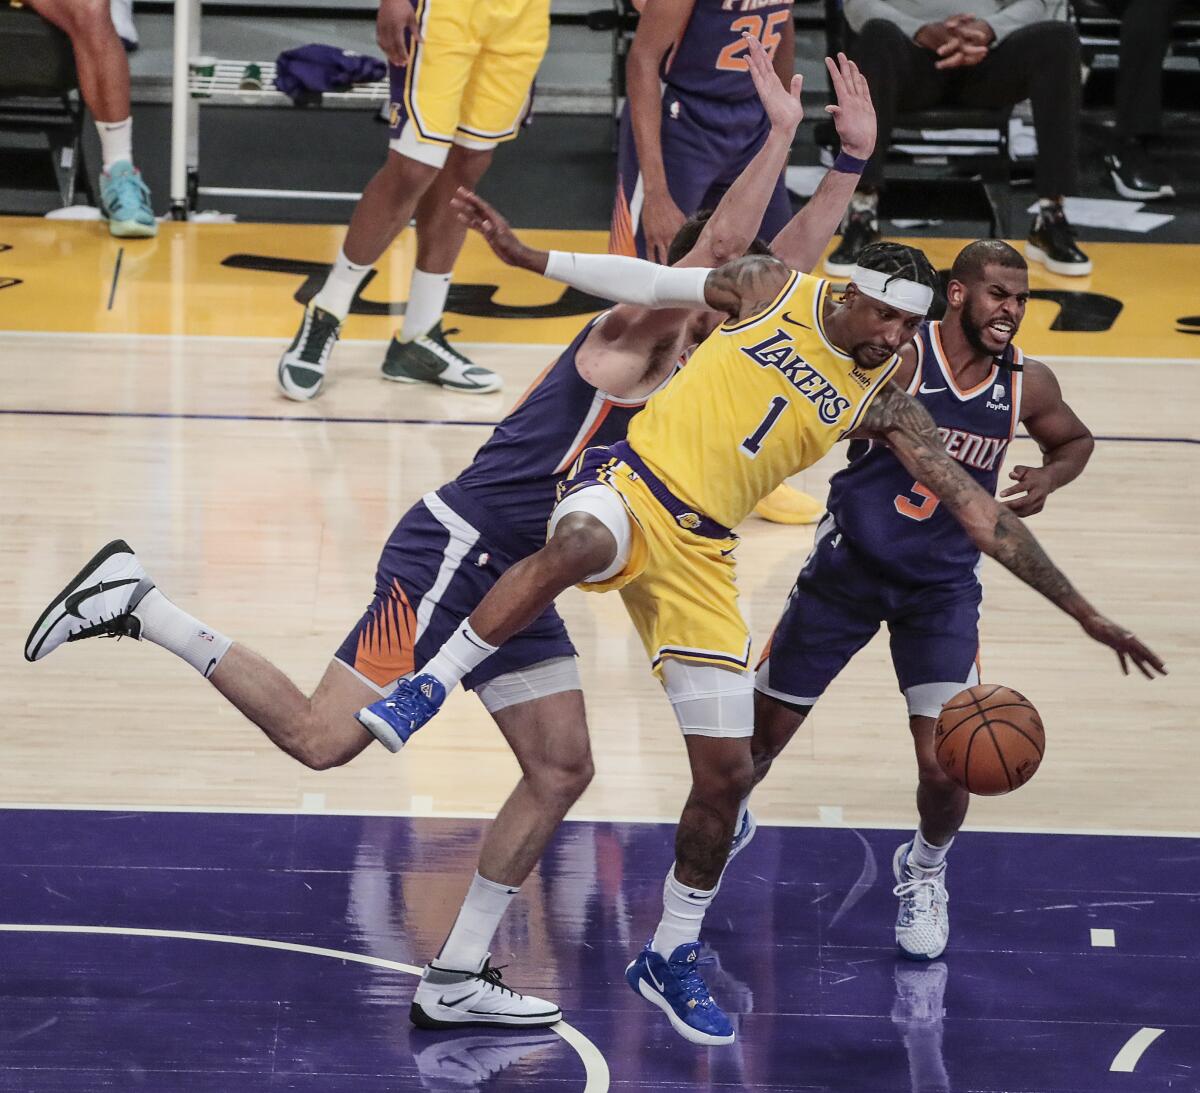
<point>973,331</point>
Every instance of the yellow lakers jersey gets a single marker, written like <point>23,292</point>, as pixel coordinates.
<point>762,398</point>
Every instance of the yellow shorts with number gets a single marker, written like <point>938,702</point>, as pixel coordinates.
<point>468,80</point>
<point>679,588</point>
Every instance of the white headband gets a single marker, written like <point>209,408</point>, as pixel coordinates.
<point>900,292</point>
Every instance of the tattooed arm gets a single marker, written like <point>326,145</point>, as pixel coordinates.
<point>907,428</point>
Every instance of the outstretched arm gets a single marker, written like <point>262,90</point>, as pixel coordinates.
<point>906,427</point>
<point>804,238</point>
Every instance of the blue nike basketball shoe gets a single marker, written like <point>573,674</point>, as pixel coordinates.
<point>394,719</point>
<point>676,987</point>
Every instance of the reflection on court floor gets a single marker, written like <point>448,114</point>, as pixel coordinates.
<point>259,952</point>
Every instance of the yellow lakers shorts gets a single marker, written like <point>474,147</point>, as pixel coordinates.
<point>469,79</point>
<point>679,587</point>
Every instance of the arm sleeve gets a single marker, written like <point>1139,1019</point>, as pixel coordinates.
<point>630,280</point>
<point>861,12</point>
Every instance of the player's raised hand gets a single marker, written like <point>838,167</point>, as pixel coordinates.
<point>782,104</point>
<point>476,213</point>
<point>397,20</point>
<point>853,113</point>
<point>1035,483</point>
<point>1125,644</point>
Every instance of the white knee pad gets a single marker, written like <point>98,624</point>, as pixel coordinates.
<point>549,677</point>
<point>603,504</point>
<point>927,699</point>
<point>710,701</point>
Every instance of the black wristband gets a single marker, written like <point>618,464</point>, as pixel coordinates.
<point>849,164</point>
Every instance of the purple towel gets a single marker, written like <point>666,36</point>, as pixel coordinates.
<point>299,73</point>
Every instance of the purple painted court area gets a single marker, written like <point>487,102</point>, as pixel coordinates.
<point>800,940</point>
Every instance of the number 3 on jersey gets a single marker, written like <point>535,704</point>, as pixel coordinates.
<point>767,31</point>
<point>752,445</point>
<point>917,511</point>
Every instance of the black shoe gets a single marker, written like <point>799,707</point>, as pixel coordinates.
<point>1052,242</point>
<point>432,359</point>
<point>1133,175</point>
<point>859,230</point>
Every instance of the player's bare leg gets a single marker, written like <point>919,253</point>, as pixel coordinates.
<point>774,726</point>
<point>383,212</point>
<point>722,776</point>
<point>103,71</point>
<point>919,866</point>
<point>420,352</point>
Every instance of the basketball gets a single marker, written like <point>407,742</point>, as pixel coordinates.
<point>989,739</point>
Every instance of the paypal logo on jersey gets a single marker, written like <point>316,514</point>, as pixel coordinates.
<point>778,351</point>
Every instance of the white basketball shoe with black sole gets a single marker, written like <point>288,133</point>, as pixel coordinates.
<point>302,367</point>
<point>457,998</point>
<point>99,603</point>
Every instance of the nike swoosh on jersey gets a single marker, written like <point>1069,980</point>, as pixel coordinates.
<point>787,318</point>
<point>930,390</point>
<point>72,602</point>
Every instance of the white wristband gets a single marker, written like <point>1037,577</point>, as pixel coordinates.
<point>630,280</point>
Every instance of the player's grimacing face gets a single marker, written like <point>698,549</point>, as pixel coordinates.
<point>991,308</point>
<point>877,331</point>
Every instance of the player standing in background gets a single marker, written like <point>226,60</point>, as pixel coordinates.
<point>104,86</point>
<point>462,76</point>
<point>452,546</point>
<point>690,125</point>
<point>888,551</point>
<point>788,375</point>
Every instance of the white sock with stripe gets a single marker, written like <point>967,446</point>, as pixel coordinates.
<point>462,652</point>
<point>683,915</point>
<point>337,294</point>
<point>173,628</point>
<point>426,302</point>
<point>476,925</point>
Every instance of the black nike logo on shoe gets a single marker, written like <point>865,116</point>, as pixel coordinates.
<point>73,601</point>
<point>787,318</point>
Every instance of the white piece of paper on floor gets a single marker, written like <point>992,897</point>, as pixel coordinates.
<point>1095,212</point>
<point>803,180</point>
<point>74,212</point>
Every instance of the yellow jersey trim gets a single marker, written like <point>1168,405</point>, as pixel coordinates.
<point>819,297</point>
<point>733,326</point>
<point>885,375</point>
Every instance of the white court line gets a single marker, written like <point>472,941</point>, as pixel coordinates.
<point>1104,939</point>
<point>904,822</point>
<point>594,1065</point>
<point>1127,1058</point>
<point>551,347</point>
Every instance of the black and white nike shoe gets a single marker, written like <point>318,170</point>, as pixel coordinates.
<point>302,366</point>
<point>432,359</point>
<point>99,603</point>
<point>453,998</point>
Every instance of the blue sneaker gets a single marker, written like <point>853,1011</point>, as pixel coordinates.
<point>742,836</point>
<point>676,988</point>
<point>394,719</point>
<point>125,202</point>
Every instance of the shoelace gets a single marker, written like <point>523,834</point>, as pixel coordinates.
<point>123,198</point>
<point>113,627</point>
<point>492,977</point>
<point>693,985</point>
<point>318,343</point>
<point>921,890</point>
<point>437,344</point>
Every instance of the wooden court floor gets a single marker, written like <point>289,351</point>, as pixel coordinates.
<point>157,420</point>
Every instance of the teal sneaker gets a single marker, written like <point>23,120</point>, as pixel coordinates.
<point>125,202</point>
<point>432,359</point>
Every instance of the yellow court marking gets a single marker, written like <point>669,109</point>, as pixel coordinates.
<point>241,280</point>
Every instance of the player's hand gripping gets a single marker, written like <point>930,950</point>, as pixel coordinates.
<point>396,17</point>
<point>1124,643</point>
<point>476,213</point>
<point>853,114</point>
<point>1036,483</point>
<point>782,104</point>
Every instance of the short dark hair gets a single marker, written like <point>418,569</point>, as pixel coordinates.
<point>975,257</point>
<point>898,260</point>
<point>689,234</point>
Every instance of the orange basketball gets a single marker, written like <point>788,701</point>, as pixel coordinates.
<point>989,739</point>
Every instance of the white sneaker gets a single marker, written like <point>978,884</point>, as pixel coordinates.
<point>920,995</point>
<point>923,924</point>
<point>98,603</point>
<point>454,998</point>
<point>302,366</point>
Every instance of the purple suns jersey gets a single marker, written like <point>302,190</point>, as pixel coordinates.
<point>895,522</point>
<point>710,58</point>
<point>514,475</point>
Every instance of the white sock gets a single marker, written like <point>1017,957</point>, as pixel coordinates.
<point>116,141</point>
<point>476,925</point>
<point>463,651</point>
<point>173,628</point>
<point>337,294</point>
<point>924,855</point>
<point>863,202</point>
<point>683,913</point>
<point>426,302</point>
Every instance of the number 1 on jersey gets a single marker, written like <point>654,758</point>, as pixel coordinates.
<point>753,443</point>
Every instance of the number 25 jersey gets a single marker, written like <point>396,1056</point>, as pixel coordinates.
<point>760,399</point>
